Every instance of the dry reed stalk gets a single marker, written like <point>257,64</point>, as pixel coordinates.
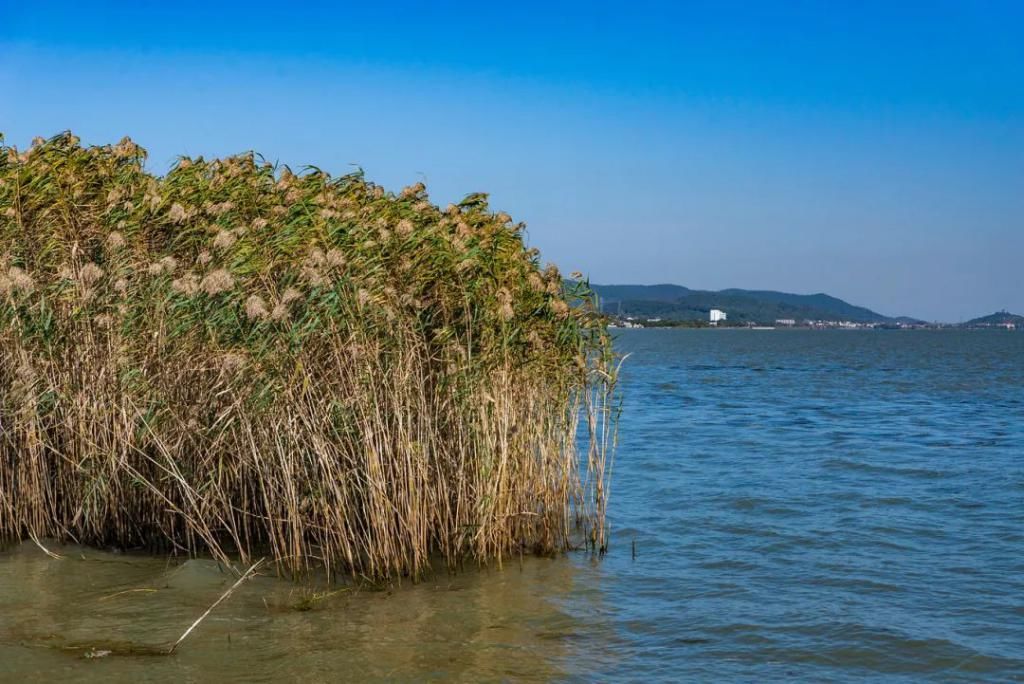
<point>246,575</point>
<point>355,379</point>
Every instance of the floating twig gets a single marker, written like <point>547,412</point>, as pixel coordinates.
<point>248,573</point>
<point>127,591</point>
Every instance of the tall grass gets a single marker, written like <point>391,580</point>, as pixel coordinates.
<point>234,358</point>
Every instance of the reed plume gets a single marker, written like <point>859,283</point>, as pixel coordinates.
<point>355,379</point>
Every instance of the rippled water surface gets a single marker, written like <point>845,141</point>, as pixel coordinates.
<point>829,506</point>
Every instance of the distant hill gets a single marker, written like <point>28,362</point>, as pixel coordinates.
<point>675,302</point>
<point>1000,318</point>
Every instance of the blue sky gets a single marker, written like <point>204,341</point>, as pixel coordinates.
<point>871,150</point>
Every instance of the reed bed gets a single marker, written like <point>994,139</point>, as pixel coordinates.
<point>235,359</point>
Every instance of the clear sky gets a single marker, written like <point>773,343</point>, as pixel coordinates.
<point>870,150</point>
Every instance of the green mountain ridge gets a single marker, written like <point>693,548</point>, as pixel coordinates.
<point>999,318</point>
<point>675,302</point>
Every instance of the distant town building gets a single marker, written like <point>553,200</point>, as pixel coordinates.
<point>628,322</point>
<point>717,315</point>
<point>785,321</point>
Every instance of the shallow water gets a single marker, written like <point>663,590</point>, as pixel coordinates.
<point>819,505</point>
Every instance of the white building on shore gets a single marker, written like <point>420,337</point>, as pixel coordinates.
<point>717,315</point>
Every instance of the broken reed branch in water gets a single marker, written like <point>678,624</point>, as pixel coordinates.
<point>235,359</point>
<point>246,575</point>
<point>51,554</point>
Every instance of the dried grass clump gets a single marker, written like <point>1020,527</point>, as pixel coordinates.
<point>357,379</point>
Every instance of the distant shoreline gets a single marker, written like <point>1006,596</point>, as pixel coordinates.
<point>668,304</point>
<point>863,328</point>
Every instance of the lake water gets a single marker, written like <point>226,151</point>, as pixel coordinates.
<point>816,505</point>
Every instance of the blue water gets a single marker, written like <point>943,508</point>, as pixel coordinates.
<point>805,506</point>
<point>822,505</point>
